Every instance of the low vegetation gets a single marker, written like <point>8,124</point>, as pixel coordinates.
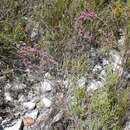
<point>69,30</point>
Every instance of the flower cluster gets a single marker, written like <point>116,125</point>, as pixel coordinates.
<point>87,15</point>
<point>31,55</point>
<point>107,34</point>
<point>24,49</point>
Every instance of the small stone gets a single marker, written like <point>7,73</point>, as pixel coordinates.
<point>29,105</point>
<point>46,86</point>
<point>48,76</point>
<point>47,103</point>
<point>97,68</point>
<point>17,126</point>
<point>8,97</point>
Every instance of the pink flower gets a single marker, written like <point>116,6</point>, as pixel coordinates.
<point>87,15</point>
<point>107,35</point>
<point>30,49</point>
<point>82,31</point>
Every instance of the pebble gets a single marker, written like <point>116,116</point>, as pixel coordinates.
<point>47,103</point>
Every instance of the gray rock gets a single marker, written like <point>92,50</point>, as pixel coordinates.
<point>29,105</point>
<point>46,86</point>
<point>29,26</point>
<point>58,117</point>
<point>48,76</point>
<point>35,33</point>
<point>17,126</point>
<point>97,68</point>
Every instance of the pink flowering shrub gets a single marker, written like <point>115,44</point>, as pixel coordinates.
<point>93,28</point>
<point>87,15</point>
<point>108,36</point>
<point>33,56</point>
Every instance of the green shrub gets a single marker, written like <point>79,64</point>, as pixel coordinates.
<point>11,36</point>
<point>108,105</point>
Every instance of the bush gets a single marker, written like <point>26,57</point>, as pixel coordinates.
<point>108,104</point>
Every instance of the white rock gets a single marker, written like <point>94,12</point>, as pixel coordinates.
<point>17,126</point>
<point>116,56</point>
<point>46,102</point>
<point>105,62</point>
<point>97,68</point>
<point>116,61</point>
<point>33,114</point>
<point>82,81</point>
<point>94,85</point>
<point>46,86</point>
<point>8,97</point>
<point>29,105</point>
<point>48,76</point>
<point>121,41</point>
